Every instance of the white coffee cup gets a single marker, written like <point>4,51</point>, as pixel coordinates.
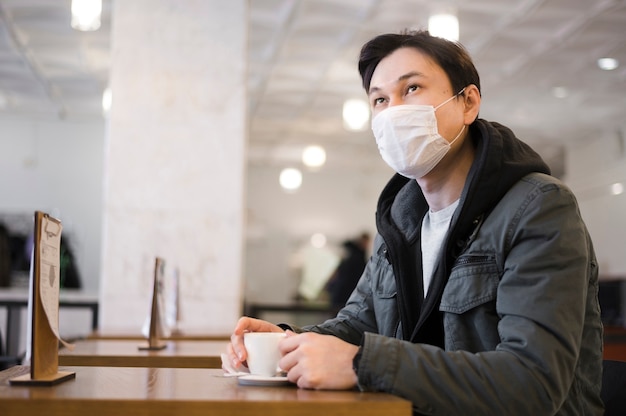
<point>263,352</point>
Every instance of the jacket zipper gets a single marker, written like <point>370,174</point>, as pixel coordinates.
<point>463,261</point>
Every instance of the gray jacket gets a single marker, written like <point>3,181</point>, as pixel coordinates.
<point>511,324</point>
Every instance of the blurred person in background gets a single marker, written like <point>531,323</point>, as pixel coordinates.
<point>346,276</point>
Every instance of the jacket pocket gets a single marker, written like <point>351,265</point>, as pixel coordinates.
<point>385,306</point>
<point>384,285</point>
<point>473,281</point>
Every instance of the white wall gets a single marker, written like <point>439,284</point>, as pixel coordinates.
<point>55,166</point>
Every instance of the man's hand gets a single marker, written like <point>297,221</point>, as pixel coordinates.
<point>236,351</point>
<point>315,361</point>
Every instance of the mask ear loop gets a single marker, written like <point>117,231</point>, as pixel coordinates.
<point>461,92</point>
<point>458,135</point>
<point>451,98</point>
<point>462,128</point>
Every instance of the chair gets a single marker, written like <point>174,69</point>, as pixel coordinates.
<point>6,361</point>
<point>613,391</point>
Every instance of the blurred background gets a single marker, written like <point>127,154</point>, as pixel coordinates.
<point>552,70</point>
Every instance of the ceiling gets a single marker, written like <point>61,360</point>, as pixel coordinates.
<point>302,66</point>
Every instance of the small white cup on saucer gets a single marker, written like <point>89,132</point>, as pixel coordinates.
<point>263,352</point>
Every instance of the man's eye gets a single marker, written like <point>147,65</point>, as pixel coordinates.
<point>378,100</point>
<point>412,88</point>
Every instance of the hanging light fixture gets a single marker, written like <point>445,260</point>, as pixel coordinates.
<point>608,64</point>
<point>314,156</point>
<point>356,114</point>
<point>617,188</point>
<point>444,25</point>
<point>290,179</point>
<point>86,14</point>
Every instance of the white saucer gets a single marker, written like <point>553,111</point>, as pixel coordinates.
<point>254,380</point>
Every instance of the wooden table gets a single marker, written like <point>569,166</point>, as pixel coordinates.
<point>190,392</point>
<point>125,353</point>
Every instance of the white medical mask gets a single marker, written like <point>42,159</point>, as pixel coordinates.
<point>408,138</point>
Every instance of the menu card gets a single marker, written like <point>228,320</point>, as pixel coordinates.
<point>50,272</point>
<point>156,325</point>
<point>43,305</point>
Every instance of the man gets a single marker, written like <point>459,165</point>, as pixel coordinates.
<point>481,293</point>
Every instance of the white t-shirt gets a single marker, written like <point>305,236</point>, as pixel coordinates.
<point>434,229</point>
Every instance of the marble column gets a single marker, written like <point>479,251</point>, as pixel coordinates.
<point>175,160</point>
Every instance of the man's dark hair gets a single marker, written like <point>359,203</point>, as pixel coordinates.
<point>450,56</point>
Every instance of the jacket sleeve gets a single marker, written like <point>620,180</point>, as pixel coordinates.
<point>541,301</point>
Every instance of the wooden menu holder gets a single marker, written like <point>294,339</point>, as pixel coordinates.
<point>156,320</point>
<point>176,306</point>
<point>44,362</point>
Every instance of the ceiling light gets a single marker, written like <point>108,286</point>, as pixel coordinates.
<point>608,64</point>
<point>86,14</point>
<point>617,188</point>
<point>314,156</point>
<point>318,240</point>
<point>444,25</point>
<point>356,114</point>
<point>107,99</point>
<point>290,179</point>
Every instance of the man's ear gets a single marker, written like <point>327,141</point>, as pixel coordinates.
<point>471,97</point>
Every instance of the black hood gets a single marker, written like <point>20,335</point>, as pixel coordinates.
<point>500,161</point>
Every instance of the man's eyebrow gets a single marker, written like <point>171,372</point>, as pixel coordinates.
<point>400,78</point>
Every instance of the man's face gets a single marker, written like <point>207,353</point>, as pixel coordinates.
<point>407,76</point>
